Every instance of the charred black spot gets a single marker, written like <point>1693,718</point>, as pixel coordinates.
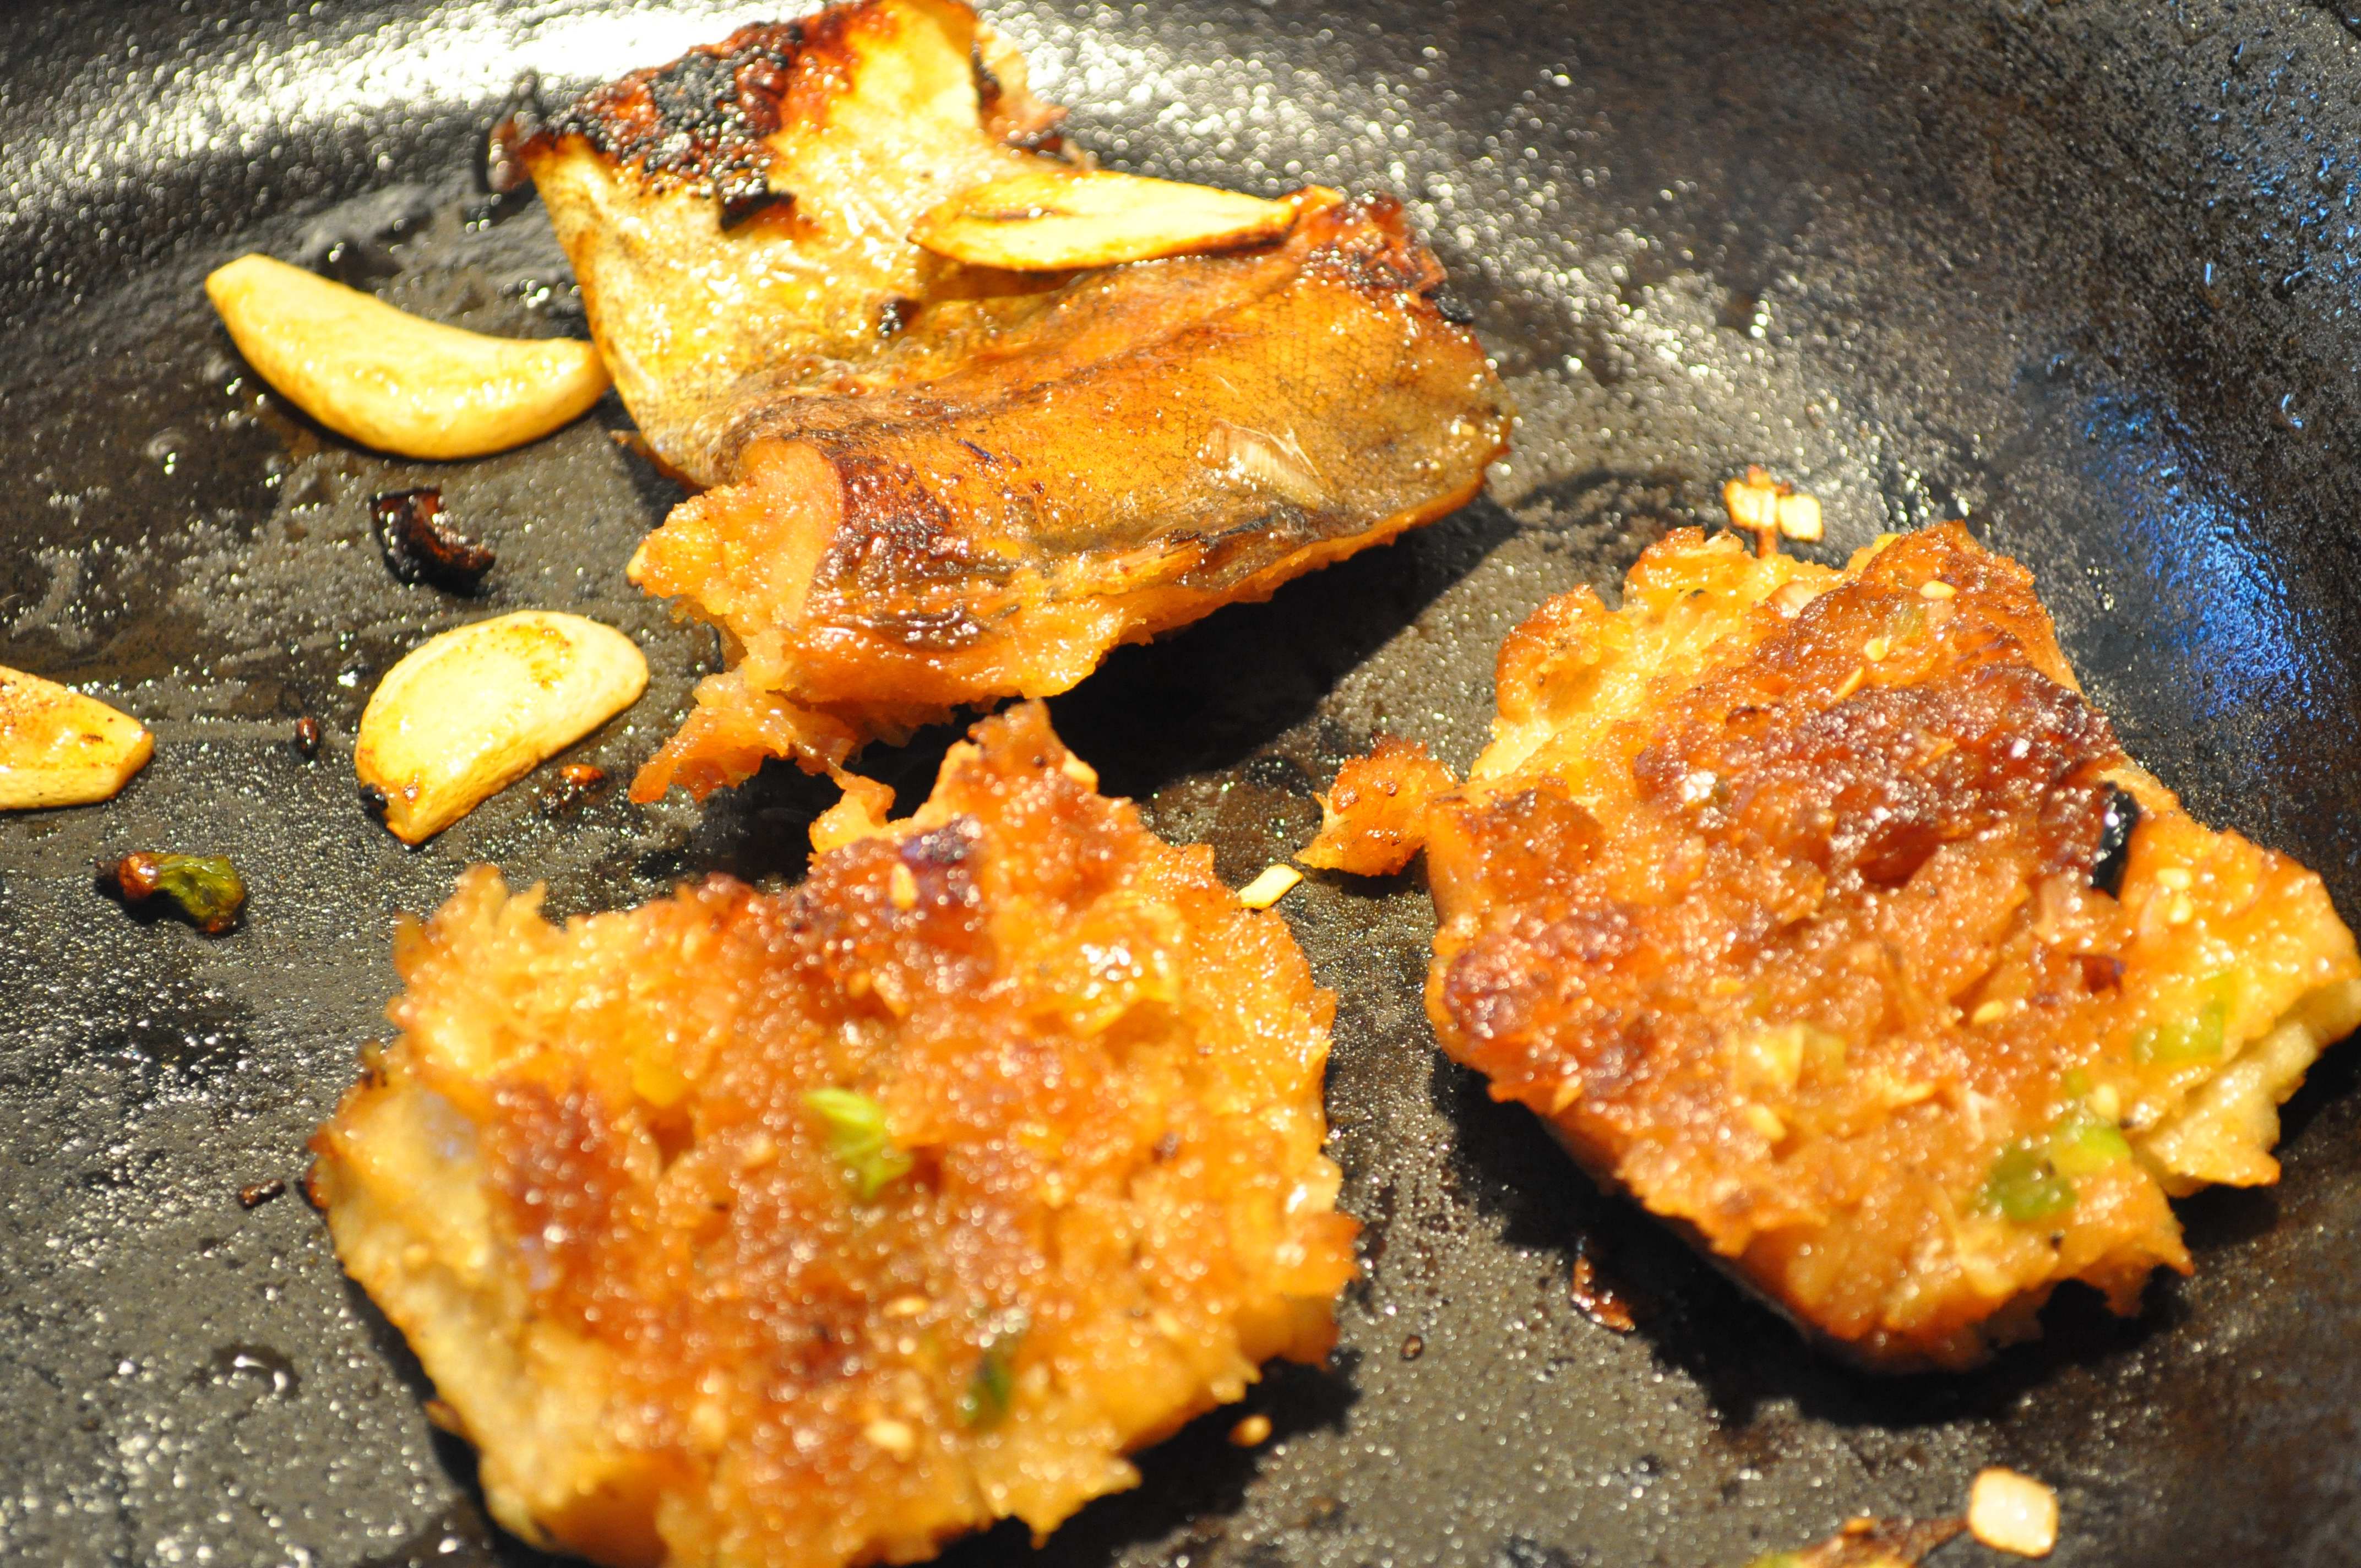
<point>747,193</point>
<point>373,801</point>
<point>504,169</point>
<point>987,82</point>
<point>2115,825</point>
<point>700,121</point>
<point>1452,308</point>
<point>420,547</point>
<point>894,316</point>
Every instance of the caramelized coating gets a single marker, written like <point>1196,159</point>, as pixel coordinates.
<point>936,484</point>
<point>811,1228</point>
<point>1373,819</point>
<point>1776,894</point>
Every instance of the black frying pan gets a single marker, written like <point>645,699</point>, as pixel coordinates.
<point>2082,270</point>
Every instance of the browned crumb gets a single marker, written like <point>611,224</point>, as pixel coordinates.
<point>1593,1297</point>
<point>1374,819</point>
<point>256,1194</point>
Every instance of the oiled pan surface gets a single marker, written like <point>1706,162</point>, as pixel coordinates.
<point>2083,271</point>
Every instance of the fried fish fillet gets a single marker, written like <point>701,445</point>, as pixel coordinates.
<point>811,1228</point>
<point>932,485</point>
<point>1820,911</point>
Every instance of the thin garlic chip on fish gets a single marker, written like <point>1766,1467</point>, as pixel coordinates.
<point>395,381</point>
<point>1058,219</point>
<point>471,711</point>
<point>60,748</point>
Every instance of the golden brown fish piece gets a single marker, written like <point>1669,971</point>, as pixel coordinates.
<point>1822,911</point>
<point>936,484</point>
<point>807,1229</point>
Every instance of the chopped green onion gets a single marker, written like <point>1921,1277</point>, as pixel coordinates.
<point>858,1136</point>
<point>2083,1143</point>
<point>1778,1560</point>
<point>2023,1185</point>
<point>2034,1178</point>
<point>993,1384</point>
<point>2184,1040</point>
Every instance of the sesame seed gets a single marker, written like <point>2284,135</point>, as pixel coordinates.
<point>2174,877</point>
<point>902,886</point>
<point>1876,648</point>
<point>1988,1012</point>
<point>1252,1430</point>
<point>1936,590</point>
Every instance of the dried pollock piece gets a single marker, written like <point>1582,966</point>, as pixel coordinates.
<point>420,547</point>
<point>473,710</point>
<point>398,382</point>
<point>60,748</point>
<point>1054,219</point>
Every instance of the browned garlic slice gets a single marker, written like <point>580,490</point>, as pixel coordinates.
<point>1058,219</point>
<point>395,381</point>
<point>60,748</point>
<point>470,712</point>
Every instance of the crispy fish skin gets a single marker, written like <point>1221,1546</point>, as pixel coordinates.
<point>933,486</point>
<point>1787,897</point>
<point>682,1326</point>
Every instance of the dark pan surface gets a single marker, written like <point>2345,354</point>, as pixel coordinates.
<point>2084,271</point>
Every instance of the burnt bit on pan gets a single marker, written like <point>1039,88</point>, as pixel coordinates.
<point>420,547</point>
<point>254,1195</point>
<point>1593,1296</point>
<point>306,740</point>
<point>576,782</point>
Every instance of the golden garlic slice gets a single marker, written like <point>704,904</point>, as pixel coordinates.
<point>468,713</point>
<point>60,748</point>
<point>1059,219</point>
<point>395,381</point>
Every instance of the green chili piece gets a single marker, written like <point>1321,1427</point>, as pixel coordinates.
<point>1778,1560</point>
<point>993,1384</point>
<point>206,888</point>
<point>2024,1187</point>
<point>857,1136</point>
<point>2184,1040</point>
<point>2083,1143</point>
